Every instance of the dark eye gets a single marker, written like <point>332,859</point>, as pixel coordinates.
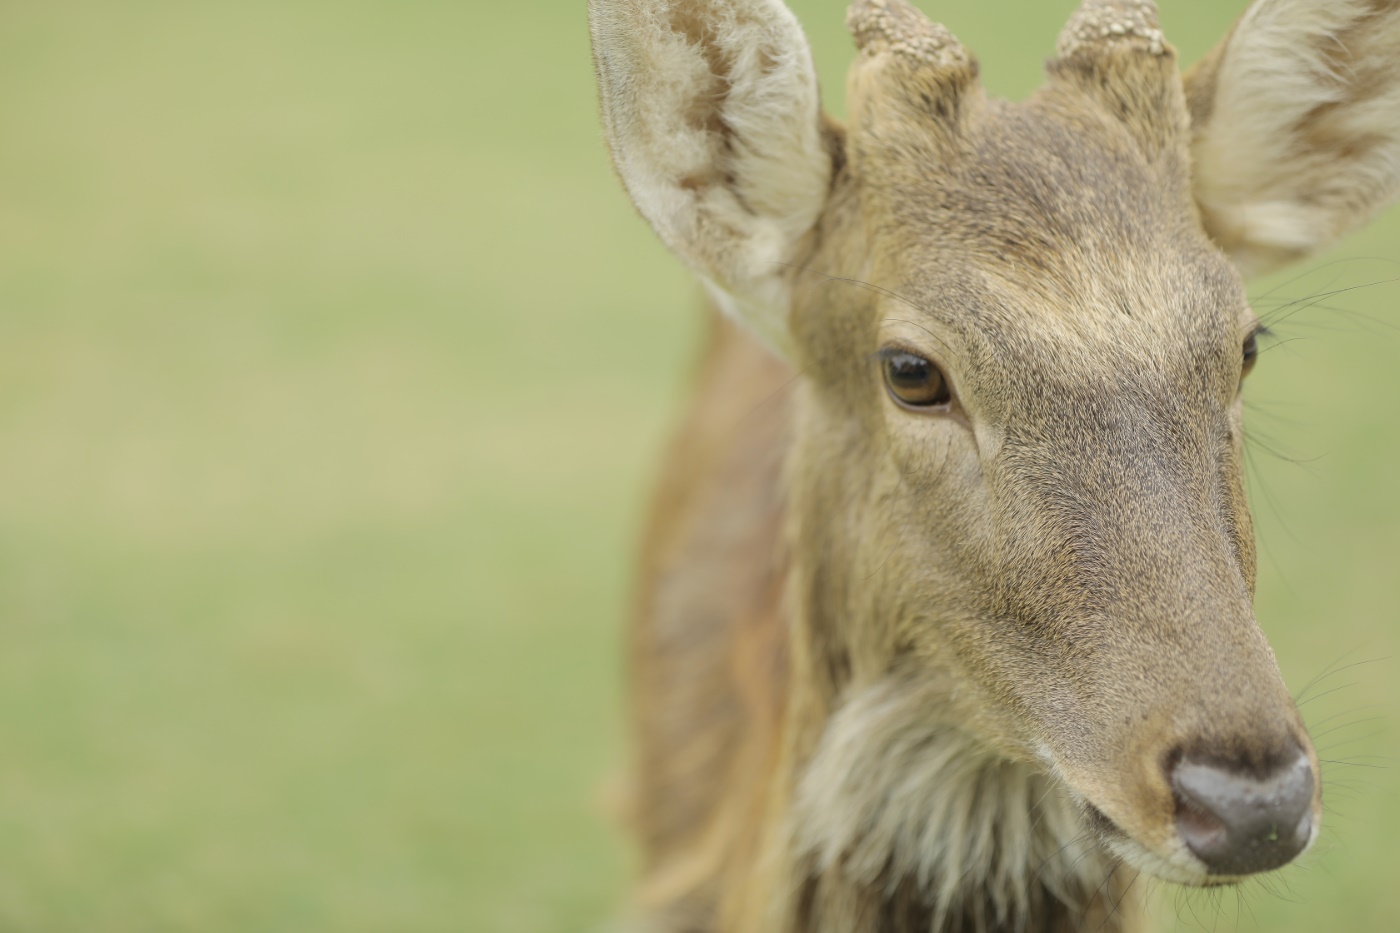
<point>914,382</point>
<point>1251,353</point>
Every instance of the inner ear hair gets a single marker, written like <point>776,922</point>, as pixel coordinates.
<point>713,118</point>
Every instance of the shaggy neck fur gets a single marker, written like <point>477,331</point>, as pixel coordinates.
<point>904,823</point>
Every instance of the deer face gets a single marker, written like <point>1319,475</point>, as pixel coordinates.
<point>1017,475</point>
<point>1032,422</point>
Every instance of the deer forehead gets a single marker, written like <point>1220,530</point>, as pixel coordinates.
<point>1045,226</point>
<point>1075,206</point>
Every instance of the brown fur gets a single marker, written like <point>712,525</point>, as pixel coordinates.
<point>710,652</point>
<point>897,671</point>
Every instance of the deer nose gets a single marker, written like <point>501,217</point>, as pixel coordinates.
<point>1239,824</point>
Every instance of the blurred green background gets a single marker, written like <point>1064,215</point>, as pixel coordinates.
<point>333,364</point>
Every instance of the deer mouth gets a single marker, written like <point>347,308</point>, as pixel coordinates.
<point>1180,864</point>
<point>1178,867</point>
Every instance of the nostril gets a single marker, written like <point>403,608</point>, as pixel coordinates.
<point>1237,823</point>
<point>1203,831</point>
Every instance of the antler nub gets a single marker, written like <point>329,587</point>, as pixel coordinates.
<point>1100,21</point>
<point>895,26</point>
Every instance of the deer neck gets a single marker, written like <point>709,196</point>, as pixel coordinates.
<point>902,820</point>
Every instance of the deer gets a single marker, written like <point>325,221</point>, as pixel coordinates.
<point>945,608</point>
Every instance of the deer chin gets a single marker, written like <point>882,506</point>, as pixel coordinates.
<point>1169,860</point>
<point>1176,865</point>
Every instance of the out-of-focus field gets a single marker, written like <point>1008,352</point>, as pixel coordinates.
<point>332,365</point>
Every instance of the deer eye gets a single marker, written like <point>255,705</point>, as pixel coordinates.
<point>915,382</point>
<point>1251,353</point>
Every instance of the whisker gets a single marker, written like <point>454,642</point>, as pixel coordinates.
<point>1301,703</point>
<point>1342,762</point>
<point>1304,304</point>
<point>1331,670</point>
<point>1348,712</point>
<point>1121,898</point>
<point>1316,734</point>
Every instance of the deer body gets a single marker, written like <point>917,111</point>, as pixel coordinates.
<point>945,619</point>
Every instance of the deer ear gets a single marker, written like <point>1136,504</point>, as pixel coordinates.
<point>1296,127</point>
<point>713,116</point>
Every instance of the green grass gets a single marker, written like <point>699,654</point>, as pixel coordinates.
<point>333,363</point>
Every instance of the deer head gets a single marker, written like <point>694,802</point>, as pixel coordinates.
<point>1016,493</point>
